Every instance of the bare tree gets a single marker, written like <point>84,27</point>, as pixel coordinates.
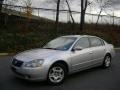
<point>113,18</point>
<point>57,14</point>
<point>84,5</point>
<point>103,4</point>
<point>8,9</point>
<point>9,5</point>
<point>61,4</point>
<point>83,10</point>
<point>56,4</point>
<point>70,12</point>
<point>28,13</point>
<point>28,10</point>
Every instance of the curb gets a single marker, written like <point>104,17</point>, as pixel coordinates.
<point>6,54</point>
<point>3,54</point>
<point>117,48</point>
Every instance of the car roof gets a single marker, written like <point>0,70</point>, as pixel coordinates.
<point>78,36</point>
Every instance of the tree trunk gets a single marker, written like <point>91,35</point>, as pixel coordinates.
<point>82,17</point>
<point>0,7</point>
<point>70,12</point>
<point>6,19</point>
<point>1,2</point>
<point>82,20</point>
<point>98,17</point>
<point>57,15</point>
<point>113,19</point>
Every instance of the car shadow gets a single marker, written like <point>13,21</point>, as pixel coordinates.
<point>69,79</point>
<point>30,83</point>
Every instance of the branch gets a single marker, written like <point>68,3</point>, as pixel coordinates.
<point>89,3</point>
<point>70,11</point>
<point>86,3</point>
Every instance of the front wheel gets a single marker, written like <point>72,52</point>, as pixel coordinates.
<point>107,61</point>
<point>56,74</point>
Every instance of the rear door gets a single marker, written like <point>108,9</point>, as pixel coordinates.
<point>97,49</point>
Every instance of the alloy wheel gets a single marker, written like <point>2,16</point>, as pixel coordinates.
<point>56,74</point>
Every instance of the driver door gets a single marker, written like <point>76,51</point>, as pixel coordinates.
<point>80,59</point>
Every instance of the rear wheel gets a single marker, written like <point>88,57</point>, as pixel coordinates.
<point>56,74</point>
<point>107,61</point>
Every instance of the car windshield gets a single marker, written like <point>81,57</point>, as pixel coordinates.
<point>61,43</point>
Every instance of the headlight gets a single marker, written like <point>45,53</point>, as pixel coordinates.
<point>34,63</point>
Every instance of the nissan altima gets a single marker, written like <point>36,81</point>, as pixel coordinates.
<point>62,56</point>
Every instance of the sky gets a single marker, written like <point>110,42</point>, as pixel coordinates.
<point>75,6</point>
<point>116,4</point>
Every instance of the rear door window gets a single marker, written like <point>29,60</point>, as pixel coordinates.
<point>95,42</point>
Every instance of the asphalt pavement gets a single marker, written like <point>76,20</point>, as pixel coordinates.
<point>92,79</point>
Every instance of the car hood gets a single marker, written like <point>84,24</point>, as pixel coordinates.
<point>37,54</point>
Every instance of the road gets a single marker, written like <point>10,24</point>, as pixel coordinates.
<point>92,79</point>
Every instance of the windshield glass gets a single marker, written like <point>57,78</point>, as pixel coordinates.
<point>61,43</point>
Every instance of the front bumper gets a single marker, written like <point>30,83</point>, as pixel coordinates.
<point>32,74</point>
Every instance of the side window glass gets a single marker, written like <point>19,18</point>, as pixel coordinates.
<point>83,42</point>
<point>95,42</point>
<point>103,43</point>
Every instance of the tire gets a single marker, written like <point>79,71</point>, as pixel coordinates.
<point>107,61</point>
<point>57,74</point>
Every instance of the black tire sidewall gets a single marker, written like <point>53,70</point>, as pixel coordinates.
<point>104,63</point>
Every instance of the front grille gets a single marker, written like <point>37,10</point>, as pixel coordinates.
<point>17,63</point>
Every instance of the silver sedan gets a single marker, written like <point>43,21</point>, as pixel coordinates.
<point>62,56</point>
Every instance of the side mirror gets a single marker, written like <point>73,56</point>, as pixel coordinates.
<point>77,48</point>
